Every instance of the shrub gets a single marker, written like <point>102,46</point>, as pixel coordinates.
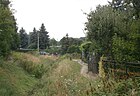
<point>32,68</point>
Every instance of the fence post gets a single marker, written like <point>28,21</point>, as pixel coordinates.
<point>101,68</point>
<point>114,73</point>
<point>126,69</point>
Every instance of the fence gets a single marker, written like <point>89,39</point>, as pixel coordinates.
<point>121,70</point>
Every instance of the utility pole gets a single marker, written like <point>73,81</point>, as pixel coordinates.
<point>38,41</point>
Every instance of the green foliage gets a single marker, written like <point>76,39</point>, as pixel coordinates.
<point>39,71</point>
<point>43,38</point>
<point>126,4</point>
<point>73,49</point>
<point>114,33</point>
<point>53,50</point>
<point>14,81</point>
<point>87,48</point>
<point>42,35</point>
<point>100,28</point>
<point>125,41</point>
<point>33,39</point>
<point>23,38</point>
<point>64,79</point>
<point>36,70</point>
<point>76,55</point>
<point>64,44</point>
<point>8,29</point>
<point>70,45</point>
<point>53,42</point>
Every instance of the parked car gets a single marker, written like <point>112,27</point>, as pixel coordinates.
<point>43,53</point>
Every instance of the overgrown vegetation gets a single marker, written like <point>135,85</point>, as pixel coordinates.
<point>14,81</point>
<point>64,79</point>
<point>21,73</point>
<point>8,30</point>
<point>30,63</point>
<point>114,29</point>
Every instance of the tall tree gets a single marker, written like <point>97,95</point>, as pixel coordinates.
<point>126,4</point>
<point>8,34</point>
<point>15,36</point>
<point>115,33</point>
<point>23,38</point>
<point>100,27</point>
<point>33,39</point>
<point>53,42</point>
<point>43,38</point>
<point>64,44</point>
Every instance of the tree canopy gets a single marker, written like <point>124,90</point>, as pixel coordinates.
<point>8,30</point>
<point>114,32</point>
<point>43,37</point>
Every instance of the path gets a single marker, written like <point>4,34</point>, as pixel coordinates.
<point>84,70</point>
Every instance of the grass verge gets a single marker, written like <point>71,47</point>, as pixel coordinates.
<point>21,73</point>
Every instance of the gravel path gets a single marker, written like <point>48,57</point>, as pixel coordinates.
<point>84,70</point>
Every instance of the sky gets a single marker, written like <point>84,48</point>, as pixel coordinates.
<point>59,16</point>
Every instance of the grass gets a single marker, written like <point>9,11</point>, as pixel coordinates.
<point>18,75</point>
<point>60,77</point>
<point>65,80</point>
<point>14,81</point>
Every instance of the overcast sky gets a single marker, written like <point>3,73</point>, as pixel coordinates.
<point>59,16</point>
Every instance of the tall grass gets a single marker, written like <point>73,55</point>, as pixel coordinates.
<point>13,80</point>
<point>64,79</point>
<point>20,74</point>
<point>30,63</point>
<point>28,75</point>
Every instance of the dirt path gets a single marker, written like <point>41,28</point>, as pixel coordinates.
<point>84,70</point>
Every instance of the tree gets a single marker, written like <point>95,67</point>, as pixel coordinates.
<point>100,27</point>
<point>75,41</point>
<point>33,39</point>
<point>15,36</point>
<point>125,41</point>
<point>53,42</point>
<point>73,49</point>
<point>43,38</point>
<point>23,38</point>
<point>64,44</point>
<point>8,29</point>
<point>126,4</point>
<point>115,33</point>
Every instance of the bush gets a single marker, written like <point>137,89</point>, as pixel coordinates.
<point>73,49</point>
<point>39,71</point>
<point>32,68</point>
<point>109,87</point>
<point>53,50</point>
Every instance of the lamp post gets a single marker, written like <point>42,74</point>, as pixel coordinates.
<point>38,41</point>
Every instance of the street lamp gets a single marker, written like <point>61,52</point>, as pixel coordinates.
<point>38,41</point>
